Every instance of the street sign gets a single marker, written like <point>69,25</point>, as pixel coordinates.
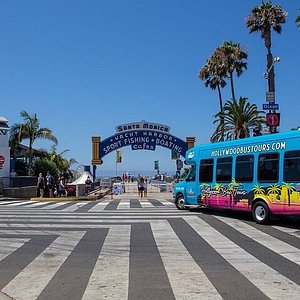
<point>273,119</point>
<point>270,96</point>
<point>268,106</point>
<point>2,161</point>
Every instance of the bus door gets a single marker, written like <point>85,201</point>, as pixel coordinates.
<point>192,187</point>
<point>224,196</point>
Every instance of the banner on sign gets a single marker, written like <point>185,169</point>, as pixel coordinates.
<point>119,157</point>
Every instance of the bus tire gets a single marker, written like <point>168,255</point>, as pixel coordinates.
<point>261,213</point>
<point>179,202</point>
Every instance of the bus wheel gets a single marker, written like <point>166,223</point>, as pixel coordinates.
<point>261,213</point>
<point>179,202</point>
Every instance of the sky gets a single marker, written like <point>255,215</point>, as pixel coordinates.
<point>86,66</point>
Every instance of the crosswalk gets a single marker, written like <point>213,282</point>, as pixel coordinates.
<point>93,206</point>
<point>130,248</point>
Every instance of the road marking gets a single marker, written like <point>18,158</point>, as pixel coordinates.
<point>268,241</point>
<point>32,280</point>
<point>9,245</point>
<point>186,278</point>
<point>269,281</point>
<point>110,276</point>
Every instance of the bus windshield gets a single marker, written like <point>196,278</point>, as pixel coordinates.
<point>191,175</point>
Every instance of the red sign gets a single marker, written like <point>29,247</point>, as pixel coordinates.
<point>273,119</point>
<point>2,161</point>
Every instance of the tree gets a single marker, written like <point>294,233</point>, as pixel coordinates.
<point>30,130</point>
<point>63,165</point>
<point>232,60</point>
<point>213,76</point>
<point>225,60</point>
<point>239,118</point>
<point>298,20</point>
<point>43,165</point>
<point>263,18</point>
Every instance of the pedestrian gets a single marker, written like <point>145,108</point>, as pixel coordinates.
<point>88,185</point>
<point>41,185</point>
<point>61,187</point>
<point>145,187</point>
<point>141,186</point>
<point>50,183</point>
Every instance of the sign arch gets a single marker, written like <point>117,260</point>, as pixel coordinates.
<point>140,136</point>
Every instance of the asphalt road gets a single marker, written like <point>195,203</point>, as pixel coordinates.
<point>131,248</point>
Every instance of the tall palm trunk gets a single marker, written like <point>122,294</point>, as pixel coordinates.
<point>270,66</point>
<point>232,86</point>
<point>30,157</point>
<point>221,110</point>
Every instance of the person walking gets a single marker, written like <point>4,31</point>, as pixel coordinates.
<point>141,186</point>
<point>88,185</point>
<point>145,187</point>
<point>50,183</point>
<point>41,185</point>
<point>61,187</point>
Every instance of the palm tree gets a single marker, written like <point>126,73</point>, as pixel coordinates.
<point>263,18</point>
<point>30,130</point>
<point>224,61</point>
<point>213,76</point>
<point>62,164</point>
<point>232,59</point>
<point>239,118</point>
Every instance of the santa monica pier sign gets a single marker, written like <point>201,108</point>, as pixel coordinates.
<point>139,136</point>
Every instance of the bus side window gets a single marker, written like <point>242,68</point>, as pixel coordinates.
<point>224,169</point>
<point>291,170</point>
<point>206,170</point>
<point>244,166</point>
<point>268,165</point>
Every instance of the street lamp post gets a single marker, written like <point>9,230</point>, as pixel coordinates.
<point>272,117</point>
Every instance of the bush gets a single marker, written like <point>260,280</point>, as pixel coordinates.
<point>42,165</point>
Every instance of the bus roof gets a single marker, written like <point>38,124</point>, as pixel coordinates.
<point>282,136</point>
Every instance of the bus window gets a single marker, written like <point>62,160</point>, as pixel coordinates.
<point>191,176</point>
<point>224,169</point>
<point>291,171</point>
<point>244,168</point>
<point>206,170</point>
<point>268,167</point>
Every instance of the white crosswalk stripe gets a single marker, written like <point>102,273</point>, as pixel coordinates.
<point>9,245</point>
<point>180,266</point>
<point>110,273</point>
<point>268,241</point>
<point>31,281</point>
<point>114,259</point>
<point>260,274</point>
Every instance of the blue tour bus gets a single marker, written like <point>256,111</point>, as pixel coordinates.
<point>258,174</point>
